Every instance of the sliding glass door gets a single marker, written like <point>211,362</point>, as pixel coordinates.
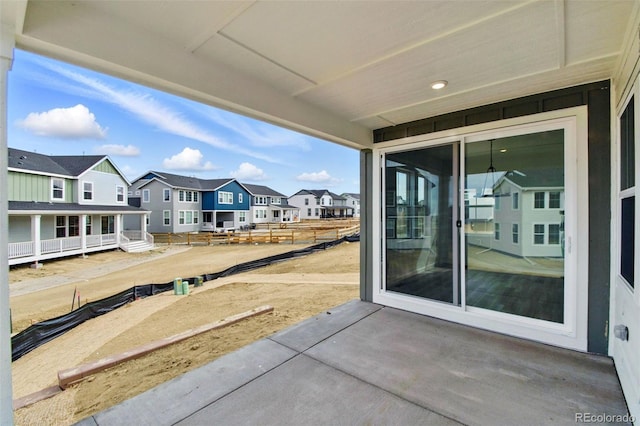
<point>478,229</point>
<point>420,200</point>
<point>514,196</point>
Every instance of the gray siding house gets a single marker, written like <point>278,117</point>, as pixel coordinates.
<point>68,205</point>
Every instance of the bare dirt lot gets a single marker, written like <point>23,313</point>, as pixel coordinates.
<point>297,289</point>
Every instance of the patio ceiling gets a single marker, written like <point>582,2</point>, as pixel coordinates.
<point>335,70</point>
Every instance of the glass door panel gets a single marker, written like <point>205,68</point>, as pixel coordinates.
<point>420,198</point>
<point>514,225</point>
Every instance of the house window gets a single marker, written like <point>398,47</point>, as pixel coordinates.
<point>240,197</point>
<point>87,190</point>
<point>496,199</point>
<point>74,226</point>
<point>188,196</point>
<point>181,217</point>
<point>538,234</point>
<point>554,234</point>
<point>308,212</point>
<point>496,231</point>
<point>317,212</point>
<point>225,197</point>
<point>627,194</point>
<point>554,200</point>
<point>276,214</point>
<point>261,214</point>
<point>195,196</point>
<point>318,201</point>
<point>61,226</point>
<point>306,201</point>
<point>515,201</point>
<point>108,224</point>
<point>180,196</point>
<point>166,217</point>
<point>515,233</point>
<point>166,195</point>
<point>120,194</point>
<point>242,217</point>
<point>322,202</point>
<point>188,217</point>
<point>538,200</point>
<point>87,225</point>
<point>146,197</point>
<point>57,189</point>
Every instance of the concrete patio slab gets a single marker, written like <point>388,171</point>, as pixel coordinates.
<point>173,401</point>
<point>366,364</point>
<point>306,392</point>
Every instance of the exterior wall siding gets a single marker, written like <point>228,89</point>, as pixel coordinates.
<point>104,188</point>
<point>29,187</point>
<point>106,167</point>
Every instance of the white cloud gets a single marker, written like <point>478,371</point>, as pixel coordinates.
<point>119,150</point>
<point>188,159</point>
<point>319,177</point>
<point>149,110</point>
<point>248,171</point>
<point>70,123</point>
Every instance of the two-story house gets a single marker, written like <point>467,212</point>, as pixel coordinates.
<point>68,205</point>
<point>320,204</point>
<point>529,213</point>
<point>270,206</point>
<point>352,200</point>
<point>189,204</point>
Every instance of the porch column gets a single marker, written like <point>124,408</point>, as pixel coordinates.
<point>7,42</point>
<point>143,225</point>
<point>83,233</point>
<point>35,234</point>
<point>118,228</point>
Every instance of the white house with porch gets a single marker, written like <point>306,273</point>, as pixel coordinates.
<point>68,205</point>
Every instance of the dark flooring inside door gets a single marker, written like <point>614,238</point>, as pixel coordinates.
<point>530,296</point>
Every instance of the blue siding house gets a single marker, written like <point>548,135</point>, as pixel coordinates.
<point>188,204</point>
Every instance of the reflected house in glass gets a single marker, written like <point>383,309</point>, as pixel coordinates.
<point>529,211</point>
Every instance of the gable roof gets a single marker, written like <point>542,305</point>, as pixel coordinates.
<point>263,190</point>
<point>352,195</point>
<point>181,181</point>
<point>318,193</point>
<point>62,165</point>
<point>535,178</point>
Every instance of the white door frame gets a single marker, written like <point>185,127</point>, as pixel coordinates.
<point>573,333</point>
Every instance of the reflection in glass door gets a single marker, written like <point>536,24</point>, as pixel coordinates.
<point>514,225</point>
<point>420,246</point>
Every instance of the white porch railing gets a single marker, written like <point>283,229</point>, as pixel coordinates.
<point>23,249</point>
<point>59,245</point>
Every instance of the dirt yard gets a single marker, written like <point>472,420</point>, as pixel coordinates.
<point>297,289</point>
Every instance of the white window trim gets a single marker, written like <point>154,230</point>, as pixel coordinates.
<point>62,189</point>
<point>84,191</point>
<point>225,197</point>
<point>164,217</point>
<point>146,196</point>
<point>120,191</point>
<point>166,191</point>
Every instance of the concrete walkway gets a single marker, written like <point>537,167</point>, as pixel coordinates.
<point>362,363</point>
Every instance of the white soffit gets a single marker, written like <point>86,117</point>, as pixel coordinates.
<point>336,70</point>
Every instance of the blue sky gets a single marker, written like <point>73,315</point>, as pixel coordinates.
<point>56,108</point>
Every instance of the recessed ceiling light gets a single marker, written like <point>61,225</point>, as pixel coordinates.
<point>503,150</point>
<point>440,84</point>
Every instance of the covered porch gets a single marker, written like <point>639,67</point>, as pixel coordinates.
<point>417,370</point>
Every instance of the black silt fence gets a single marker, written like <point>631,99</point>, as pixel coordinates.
<point>45,331</point>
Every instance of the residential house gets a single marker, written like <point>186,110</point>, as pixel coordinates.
<point>320,204</point>
<point>189,204</point>
<point>529,213</point>
<point>269,206</point>
<point>69,205</point>
<point>352,200</point>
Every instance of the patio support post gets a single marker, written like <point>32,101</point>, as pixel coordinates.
<point>83,233</point>
<point>35,235</point>
<point>7,43</point>
<point>143,225</point>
